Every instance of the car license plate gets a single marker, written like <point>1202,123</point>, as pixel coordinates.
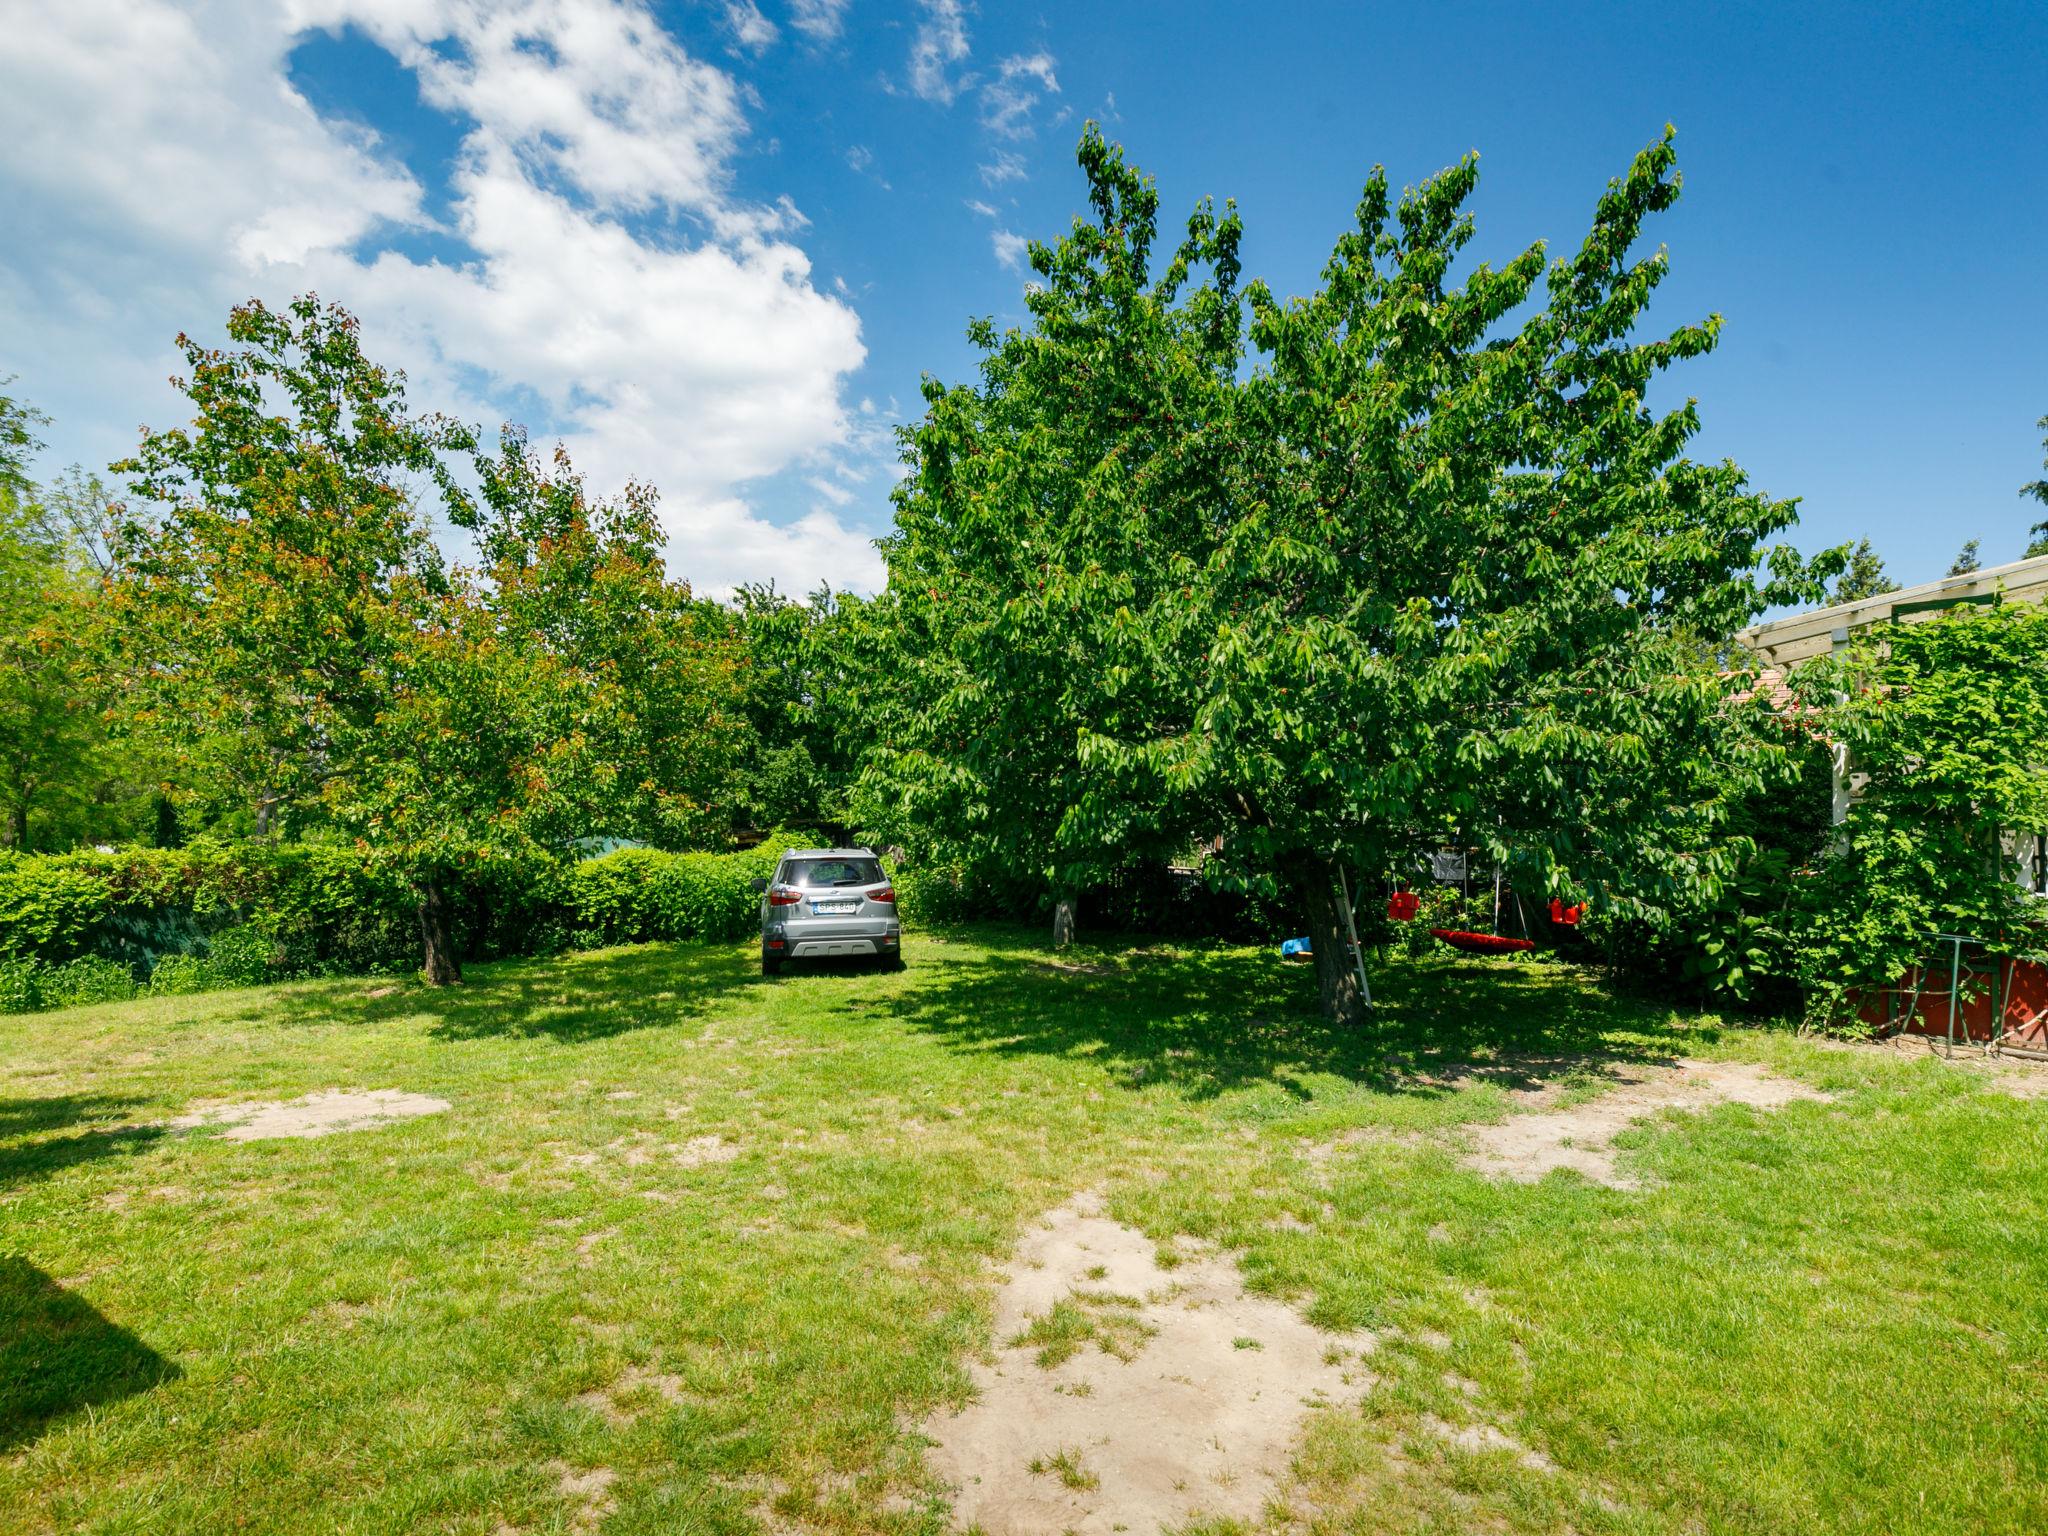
<point>829,907</point>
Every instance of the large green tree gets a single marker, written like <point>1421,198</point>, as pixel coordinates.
<point>19,423</point>
<point>1050,514</point>
<point>1428,573</point>
<point>281,589</point>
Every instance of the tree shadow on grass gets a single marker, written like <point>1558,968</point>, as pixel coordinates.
<point>571,998</point>
<point>1206,1021</point>
<point>29,1150</point>
<point>58,1354</point>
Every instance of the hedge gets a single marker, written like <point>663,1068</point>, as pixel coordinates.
<point>90,926</point>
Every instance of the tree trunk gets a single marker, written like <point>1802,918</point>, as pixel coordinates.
<point>1336,971</point>
<point>1063,922</point>
<point>18,825</point>
<point>442,969</point>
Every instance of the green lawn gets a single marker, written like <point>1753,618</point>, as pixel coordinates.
<point>529,1314</point>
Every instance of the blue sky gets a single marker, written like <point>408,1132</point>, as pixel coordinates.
<point>716,244</point>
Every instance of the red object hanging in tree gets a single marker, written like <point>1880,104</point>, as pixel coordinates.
<point>1404,906</point>
<point>1566,916</point>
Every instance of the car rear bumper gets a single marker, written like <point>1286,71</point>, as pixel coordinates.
<point>818,949</point>
<point>817,938</point>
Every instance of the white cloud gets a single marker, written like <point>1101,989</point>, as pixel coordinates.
<point>592,91</point>
<point>144,109</point>
<point>939,43</point>
<point>1007,165</point>
<point>750,29</point>
<point>820,20</point>
<point>1011,249</point>
<point>612,290</point>
<point>976,205</point>
<point>1007,101</point>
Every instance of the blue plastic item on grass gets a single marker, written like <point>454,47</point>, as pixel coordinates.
<point>1289,948</point>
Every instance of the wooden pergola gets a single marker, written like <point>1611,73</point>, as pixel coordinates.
<point>1784,643</point>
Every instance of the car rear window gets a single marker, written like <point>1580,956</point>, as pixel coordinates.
<point>812,873</point>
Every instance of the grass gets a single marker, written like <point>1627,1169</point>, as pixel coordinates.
<point>536,1312</point>
<point>1068,1467</point>
<point>1109,1321</point>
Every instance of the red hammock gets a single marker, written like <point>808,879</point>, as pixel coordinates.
<point>1480,943</point>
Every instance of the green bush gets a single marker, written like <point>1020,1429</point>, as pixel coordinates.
<point>80,927</point>
<point>48,909</point>
<point>88,979</point>
<point>181,975</point>
<point>20,986</point>
<point>637,894</point>
<point>1441,906</point>
<point>939,894</point>
<point>246,955</point>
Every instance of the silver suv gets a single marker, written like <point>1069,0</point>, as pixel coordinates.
<point>828,901</point>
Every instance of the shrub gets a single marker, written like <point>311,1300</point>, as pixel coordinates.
<point>711,896</point>
<point>218,915</point>
<point>48,910</point>
<point>247,954</point>
<point>20,986</point>
<point>80,927</point>
<point>180,975</point>
<point>88,979</point>
<point>937,894</point>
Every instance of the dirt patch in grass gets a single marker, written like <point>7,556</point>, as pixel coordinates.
<point>642,1150</point>
<point>699,1151</point>
<point>589,1493</point>
<point>1581,1136</point>
<point>2021,1077</point>
<point>636,1389</point>
<point>1480,1438</point>
<point>317,1114</point>
<point>1126,1397</point>
<point>2023,1080</point>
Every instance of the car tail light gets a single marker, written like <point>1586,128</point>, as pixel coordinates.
<point>886,893</point>
<point>783,896</point>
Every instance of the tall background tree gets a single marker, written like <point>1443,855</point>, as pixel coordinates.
<point>660,676</point>
<point>2037,490</point>
<point>804,667</point>
<point>1863,577</point>
<point>51,733</point>
<point>74,763</point>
